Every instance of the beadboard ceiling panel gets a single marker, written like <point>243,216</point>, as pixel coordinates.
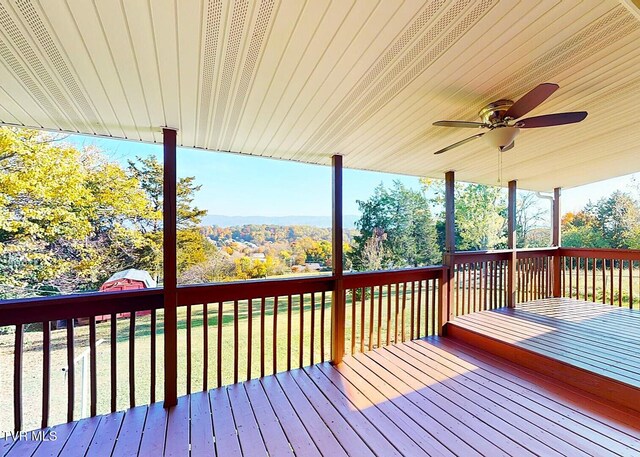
<point>303,80</point>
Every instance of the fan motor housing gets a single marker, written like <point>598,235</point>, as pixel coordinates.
<point>494,112</point>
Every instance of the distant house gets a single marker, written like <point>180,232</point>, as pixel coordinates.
<point>260,256</point>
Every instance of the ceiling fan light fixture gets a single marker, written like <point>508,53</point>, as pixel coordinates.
<point>501,137</point>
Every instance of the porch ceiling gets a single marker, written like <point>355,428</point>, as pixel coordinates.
<point>302,80</point>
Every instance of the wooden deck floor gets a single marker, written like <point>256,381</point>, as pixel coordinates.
<point>573,338</point>
<point>427,397</point>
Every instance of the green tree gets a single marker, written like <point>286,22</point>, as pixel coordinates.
<point>193,247</point>
<point>399,221</point>
<point>529,216</point>
<point>70,218</point>
<point>480,214</point>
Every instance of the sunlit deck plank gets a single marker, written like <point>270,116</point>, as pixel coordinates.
<point>523,417</point>
<point>53,448</point>
<point>154,432</point>
<point>130,434</point>
<point>81,437</point>
<point>294,428</point>
<point>248,431</point>
<point>399,415</point>
<point>348,437</point>
<point>400,438</point>
<point>104,439</point>
<point>201,425</point>
<point>557,403</point>
<point>224,427</point>
<point>356,415</point>
<point>492,426</point>
<point>326,440</point>
<point>437,408</point>
<point>177,443</point>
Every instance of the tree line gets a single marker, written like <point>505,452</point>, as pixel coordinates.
<point>404,227</point>
<point>610,222</point>
<point>70,218</point>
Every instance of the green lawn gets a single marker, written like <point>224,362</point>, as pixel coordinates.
<point>32,365</point>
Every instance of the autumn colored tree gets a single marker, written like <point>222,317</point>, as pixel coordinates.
<point>611,222</point>
<point>65,214</point>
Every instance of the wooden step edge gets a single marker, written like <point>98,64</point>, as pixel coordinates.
<point>611,390</point>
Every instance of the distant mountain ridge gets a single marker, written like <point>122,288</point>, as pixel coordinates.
<point>220,220</point>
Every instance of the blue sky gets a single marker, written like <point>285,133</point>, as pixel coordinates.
<point>237,185</point>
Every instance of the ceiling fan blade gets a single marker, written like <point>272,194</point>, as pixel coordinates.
<point>531,100</point>
<point>459,143</point>
<point>462,124</point>
<point>549,120</point>
<point>506,148</point>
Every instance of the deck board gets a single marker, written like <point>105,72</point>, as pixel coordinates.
<point>224,426</point>
<point>318,431</point>
<point>130,434</point>
<point>104,439</point>
<point>53,448</point>
<point>435,396</point>
<point>154,431</point>
<point>554,402</point>
<point>201,425</point>
<point>249,434</point>
<point>339,426</point>
<point>81,436</point>
<point>588,345</point>
<point>294,428</point>
<point>177,442</point>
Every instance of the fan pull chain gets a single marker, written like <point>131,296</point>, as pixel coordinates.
<point>499,166</point>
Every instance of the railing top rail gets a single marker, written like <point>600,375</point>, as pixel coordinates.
<point>531,253</point>
<point>40,309</point>
<point>601,253</point>
<point>480,256</point>
<point>245,290</point>
<point>379,278</point>
<point>500,254</point>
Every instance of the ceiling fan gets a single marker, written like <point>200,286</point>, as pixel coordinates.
<point>501,118</point>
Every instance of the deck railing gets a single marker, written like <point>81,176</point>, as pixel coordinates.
<point>609,276</point>
<point>236,331</point>
<point>259,312</point>
<point>479,281</point>
<point>534,274</point>
<point>41,354</point>
<point>226,333</point>
<point>480,278</point>
<point>387,307</point>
